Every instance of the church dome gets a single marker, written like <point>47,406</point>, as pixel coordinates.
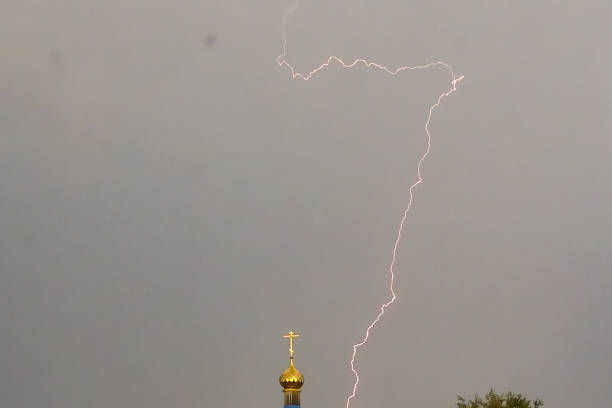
<point>291,378</point>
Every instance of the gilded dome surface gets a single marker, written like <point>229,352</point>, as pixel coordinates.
<point>291,377</point>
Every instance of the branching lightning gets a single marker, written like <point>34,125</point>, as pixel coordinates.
<point>453,87</point>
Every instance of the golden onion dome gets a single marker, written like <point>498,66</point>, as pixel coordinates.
<point>291,378</point>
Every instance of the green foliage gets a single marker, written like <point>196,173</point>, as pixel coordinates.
<point>494,400</point>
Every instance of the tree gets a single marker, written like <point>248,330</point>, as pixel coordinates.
<point>494,400</point>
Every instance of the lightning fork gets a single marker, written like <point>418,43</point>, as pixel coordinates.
<point>282,62</point>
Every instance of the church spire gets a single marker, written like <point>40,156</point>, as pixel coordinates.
<point>291,379</point>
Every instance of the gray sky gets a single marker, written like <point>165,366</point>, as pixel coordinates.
<point>171,203</point>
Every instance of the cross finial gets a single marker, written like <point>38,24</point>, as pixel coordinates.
<point>291,335</point>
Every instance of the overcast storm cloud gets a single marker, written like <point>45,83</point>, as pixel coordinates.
<point>171,203</point>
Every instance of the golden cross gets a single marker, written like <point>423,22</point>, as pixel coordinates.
<point>291,335</point>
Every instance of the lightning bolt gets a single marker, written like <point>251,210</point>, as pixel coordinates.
<point>282,62</point>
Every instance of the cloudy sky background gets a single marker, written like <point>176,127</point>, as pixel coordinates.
<point>171,203</point>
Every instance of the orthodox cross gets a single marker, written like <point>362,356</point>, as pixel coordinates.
<point>291,335</point>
